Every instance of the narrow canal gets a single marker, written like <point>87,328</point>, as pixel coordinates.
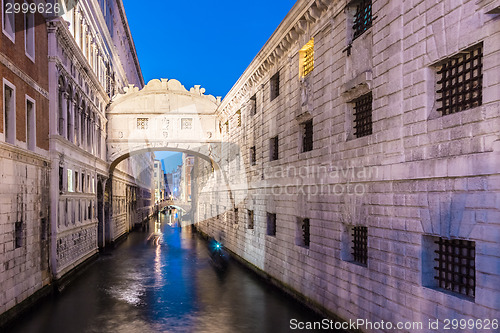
<point>164,283</point>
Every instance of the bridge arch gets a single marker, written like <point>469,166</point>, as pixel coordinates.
<point>164,116</point>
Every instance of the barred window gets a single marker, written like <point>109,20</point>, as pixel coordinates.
<point>306,234</point>
<point>271,224</point>
<point>307,136</point>
<point>275,85</point>
<point>362,17</point>
<point>253,156</point>
<point>251,217</point>
<point>363,115</point>
<point>273,148</point>
<point>307,58</point>
<point>238,118</point>
<point>460,81</point>
<point>455,266</point>
<point>142,123</point>
<point>360,245</point>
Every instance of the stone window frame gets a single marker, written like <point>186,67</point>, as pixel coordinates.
<point>19,236</point>
<point>431,72</point>
<point>430,259</point>
<point>9,114</point>
<point>358,115</point>
<point>29,35</point>
<point>274,86</point>
<point>271,224</point>
<point>304,145</point>
<point>10,34</point>
<point>441,77</point>
<point>253,155</point>
<point>348,244</point>
<point>274,148</point>
<point>306,59</point>
<point>250,219</point>
<point>30,123</point>
<point>303,232</point>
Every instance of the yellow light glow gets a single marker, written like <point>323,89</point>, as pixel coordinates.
<point>307,58</point>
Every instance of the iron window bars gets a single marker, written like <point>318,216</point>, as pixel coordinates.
<point>460,81</point>
<point>306,235</point>
<point>455,269</point>
<point>307,136</point>
<point>362,17</point>
<point>363,115</point>
<point>360,245</point>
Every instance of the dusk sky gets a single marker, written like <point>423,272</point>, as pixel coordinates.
<point>209,43</point>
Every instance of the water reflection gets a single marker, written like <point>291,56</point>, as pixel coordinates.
<point>163,281</point>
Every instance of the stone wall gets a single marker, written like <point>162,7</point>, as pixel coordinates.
<point>24,225</point>
<point>419,175</point>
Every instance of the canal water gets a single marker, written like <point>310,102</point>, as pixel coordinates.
<point>162,280</point>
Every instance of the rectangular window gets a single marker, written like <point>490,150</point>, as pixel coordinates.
<point>9,112</point>
<point>61,179</point>
<point>271,224</point>
<point>19,234</point>
<point>306,60</point>
<point>29,34</point>
<point>253,156</point>
<point>236,217</point>
<point>303,232</point>
<point>275,85</point>
<point>253,105</point>
<point>307,136</point>
<point>360,245</point>
<point>238,118</point>
<point>142,123</point>
<point>83,182</point>
<point>70,180</point>
<point>8,23</point>
<point>363,115</point>
<point>362,17</point>
<point>251,219</point>
<point>455,268</point>
<point>186,123</point>
<point>77,178</point>
<point>460,81</point>
<point>30,124</point>
<point>273,148</point>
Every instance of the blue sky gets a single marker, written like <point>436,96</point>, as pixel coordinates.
<point>209,43</point>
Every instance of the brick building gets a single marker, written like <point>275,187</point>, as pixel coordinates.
<point>24,158</point>
<point>370,135</point>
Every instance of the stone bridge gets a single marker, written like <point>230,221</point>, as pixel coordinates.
<point>165,116</point>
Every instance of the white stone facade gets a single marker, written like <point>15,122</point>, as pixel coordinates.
<point>420,175</point>
<point>91,58</point>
